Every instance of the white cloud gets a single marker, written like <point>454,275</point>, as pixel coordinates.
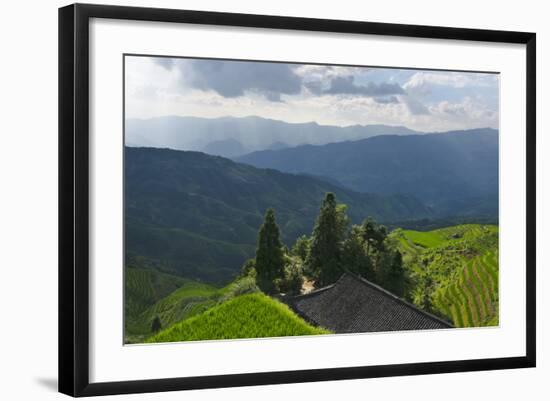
<point>434,101</point>
<point>325,73</point>
<point>424,81</point>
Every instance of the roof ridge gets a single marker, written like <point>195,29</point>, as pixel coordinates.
<point>392,295</point>
<point>314,292</point>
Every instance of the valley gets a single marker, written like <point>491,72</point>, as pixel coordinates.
<point>199,214</point>
<point>193,221</point>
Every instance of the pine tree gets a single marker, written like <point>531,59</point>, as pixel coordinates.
<point>269,254</point>
<point>324,255</point>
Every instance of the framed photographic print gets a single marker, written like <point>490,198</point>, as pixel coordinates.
<point>249,199</point>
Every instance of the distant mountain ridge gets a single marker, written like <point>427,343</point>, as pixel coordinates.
<point>198,215</point>
<point>456,172</point>
<point>231,136</point>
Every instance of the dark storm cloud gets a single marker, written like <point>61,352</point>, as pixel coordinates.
<point>347,86</point>
<point>233,78</point>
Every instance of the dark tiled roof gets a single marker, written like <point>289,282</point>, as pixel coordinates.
<point>355,305</point>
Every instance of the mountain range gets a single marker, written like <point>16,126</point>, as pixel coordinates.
<point>198,215</point>
<point>231,137</point>
<point>454,173</point>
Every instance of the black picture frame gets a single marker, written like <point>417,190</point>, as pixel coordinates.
<point>74,198</point>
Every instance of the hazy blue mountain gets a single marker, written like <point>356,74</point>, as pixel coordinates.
<point>253,133</point>
<point>278,146</point>
<point>200,214</point>
<point>456,172</point>
<point>225,147</point>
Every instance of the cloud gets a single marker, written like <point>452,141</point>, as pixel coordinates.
<point>425,81</point>
<point>232,79</point>
<point>423,100</point>
<point>386,99</point>
<point>165,62</point>
<point>326,72</point>
<point>347,86</point>
<point>467,109</point>
<point>445,93</point>
<point>414,106</point>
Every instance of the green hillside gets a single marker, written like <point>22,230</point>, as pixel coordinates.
<point>144,287</point>
<point>454,272</point>
<point>189,299</point>
<point>199,214</point>
<point>246,316</point>
<point>193,255</point>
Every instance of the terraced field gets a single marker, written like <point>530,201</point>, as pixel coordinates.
<point>460,265</point>
<point>180,300</point>
<point>144,287</point>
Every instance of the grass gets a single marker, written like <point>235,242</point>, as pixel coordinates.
<point>245,316</point>
<point>190,299</point>
<point>462,262</point>
<point>427,239</point>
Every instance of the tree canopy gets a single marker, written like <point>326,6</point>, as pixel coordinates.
<point>333,248</point>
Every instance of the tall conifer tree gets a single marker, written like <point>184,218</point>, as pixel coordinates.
<point>269,254</point>
<point>324,256</point>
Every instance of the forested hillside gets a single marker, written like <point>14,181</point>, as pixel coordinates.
<point>455,173</point>
<point>199,215</point>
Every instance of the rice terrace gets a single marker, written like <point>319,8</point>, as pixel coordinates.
<point>271,199</point>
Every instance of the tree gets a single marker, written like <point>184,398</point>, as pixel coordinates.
<point>393,274</point>
<point>369,230</point>
<point>422,294</point>
<point>293,279</point>
<point>342,219</point>
<point>374,235</point>
<point>324,255</point>
<point>354,255</point>
<point>248,269</point>
<point>269,254</point>
<point>301,247</point>
<point>156,325</point>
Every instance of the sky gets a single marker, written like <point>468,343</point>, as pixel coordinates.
<point>424,100</point>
